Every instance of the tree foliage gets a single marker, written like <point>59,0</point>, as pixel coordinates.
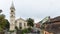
<point>30,22</point>
<point>3,23</point>
<point>26,30</point>
<point>0,11</point>
<point>7,25</point>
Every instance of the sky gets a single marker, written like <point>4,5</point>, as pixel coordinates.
<point>35,9</point>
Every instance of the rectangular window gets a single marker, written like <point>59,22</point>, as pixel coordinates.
<point>20,25</point>
<point>24,24</point>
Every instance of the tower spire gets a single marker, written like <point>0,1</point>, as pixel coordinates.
<point>12,6</point>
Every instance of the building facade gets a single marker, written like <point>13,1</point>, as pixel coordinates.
<point>52,26</point>
<point>20,23</point>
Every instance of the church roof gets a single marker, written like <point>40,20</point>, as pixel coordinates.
<point>21,19</point>
<point>12,6</point>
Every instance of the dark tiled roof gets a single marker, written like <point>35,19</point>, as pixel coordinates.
<point>55,20</point>
<point>53,28</point>
<point>57,17</point>
<point>54,25</point>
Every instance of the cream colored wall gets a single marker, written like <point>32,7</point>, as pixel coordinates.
<point>21,21</point>
<point>12,21</point>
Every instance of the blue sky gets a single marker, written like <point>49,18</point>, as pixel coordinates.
<point>36,9</point>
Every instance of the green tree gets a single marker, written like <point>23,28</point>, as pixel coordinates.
<point>0,11</point>
<point>30,22</point>
<point>3,22</point>
<point>7,25</point>
<point>25,31</point>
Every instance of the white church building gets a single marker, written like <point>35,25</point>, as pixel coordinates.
<point>20,23</point>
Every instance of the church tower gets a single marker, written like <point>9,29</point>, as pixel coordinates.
<point>12,17</point>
